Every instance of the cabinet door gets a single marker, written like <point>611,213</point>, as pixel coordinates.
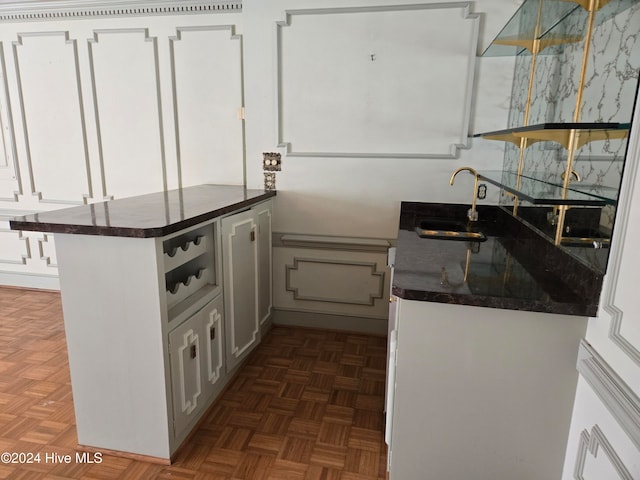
<point>212,336</point>
<point>263,219</point>
<point>240,252</point>
<point>185,344</point>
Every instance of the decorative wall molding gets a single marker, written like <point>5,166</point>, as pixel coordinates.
<point>41,250</point>
<point>592,443</point>
<point>7,132</point>
<point>234,127</point>
<point>66,9</point>
<point>330,242</point>
<point>617,396</point>
<point>27,249</point>
<point>287,144</point>
<point>97,114</point>
<point>300,263</point>
<point>25,122</point>
<point>624,208</point>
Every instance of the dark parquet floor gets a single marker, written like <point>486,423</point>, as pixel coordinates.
<point>307,405</point>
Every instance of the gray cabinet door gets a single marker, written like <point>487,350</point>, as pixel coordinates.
<point>185,350</point>
<point>212,338</point>
<point>240,270</point>
<point>196,353</point>
<point>263,219</point>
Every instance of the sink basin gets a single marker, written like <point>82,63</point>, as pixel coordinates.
<point>586,237</point>
<point>444,229</point>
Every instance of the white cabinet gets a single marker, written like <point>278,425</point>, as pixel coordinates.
<point>246,238</point>
<point>265,288</point>
<point>195,351</point>
<point>155,329</point>
<point>480,393</point>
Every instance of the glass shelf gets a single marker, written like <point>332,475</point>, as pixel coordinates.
<point>600,192</point>
<point>560,133</point>
<point>540,192</point>
<point>561,22</point>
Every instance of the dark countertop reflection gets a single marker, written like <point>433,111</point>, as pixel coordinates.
<point>143,216</point>
<point>510,270</point>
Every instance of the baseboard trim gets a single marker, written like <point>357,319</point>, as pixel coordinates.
<point>329,321</point>
<point>30,280</point>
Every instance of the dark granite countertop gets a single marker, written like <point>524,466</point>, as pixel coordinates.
<point>143,216</point>
<point>512,269</point>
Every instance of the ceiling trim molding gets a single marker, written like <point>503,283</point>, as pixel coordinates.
<point>40,10</point>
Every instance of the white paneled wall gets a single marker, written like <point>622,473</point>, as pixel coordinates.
<point>206,124</point>
<point>108,106</point>
<point>369,58</point>
<point>331,279</point>
<point>359,135</point>
<point>124,65</point>
<point>370,104</point>
<point>604,441</point>
<point>46,68</point>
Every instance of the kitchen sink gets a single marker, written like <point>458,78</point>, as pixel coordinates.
<point>586,237</point>
<point>444,229</point>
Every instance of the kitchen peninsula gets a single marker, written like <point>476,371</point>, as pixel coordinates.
<point>163,297</point>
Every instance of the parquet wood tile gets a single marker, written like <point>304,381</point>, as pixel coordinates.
<point>307,405</point>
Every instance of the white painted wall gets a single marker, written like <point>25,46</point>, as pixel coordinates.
<point>360,196</point>
<point>359,135</point>
<point>133,104</point>
<point>102,107</point>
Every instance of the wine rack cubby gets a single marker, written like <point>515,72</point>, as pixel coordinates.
<point>190,268</point>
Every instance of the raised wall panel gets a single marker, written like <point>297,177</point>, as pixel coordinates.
<point>126,90</point>
<point>10,186</point>
<point>14,247</point>
<point>334,281</point>
<point>4,128</point>
<point>599,447</point>
<point>616,332</point>
<point>331,281</point>
<point>207,95</point>
<point>54,130</point>
<point>47,249</point>
<point>369,58</point>
<point>597,458</point>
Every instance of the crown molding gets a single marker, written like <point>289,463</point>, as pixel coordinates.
<point>38,10</point>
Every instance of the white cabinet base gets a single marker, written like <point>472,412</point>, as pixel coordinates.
<point>147,332</point>
<point>481,393</point>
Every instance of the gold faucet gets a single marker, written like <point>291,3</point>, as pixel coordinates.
<point>472,214</point>
<point>574,174</point>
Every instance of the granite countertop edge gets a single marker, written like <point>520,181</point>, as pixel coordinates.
<point>62,221</point>
<point>469,299</point>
